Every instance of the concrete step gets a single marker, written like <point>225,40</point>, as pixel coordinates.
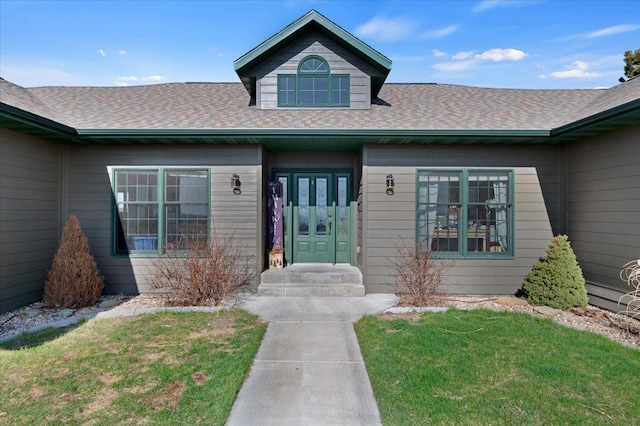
<point>312,280</point>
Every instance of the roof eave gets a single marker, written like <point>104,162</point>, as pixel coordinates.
<point>501,133</point>
<point>41,125</point>
<point>595,121</point>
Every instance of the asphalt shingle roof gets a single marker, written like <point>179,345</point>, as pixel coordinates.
<point>398,107</point>
<point>19,97</point>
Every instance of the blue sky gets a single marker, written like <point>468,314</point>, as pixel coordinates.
<point>492,43</point>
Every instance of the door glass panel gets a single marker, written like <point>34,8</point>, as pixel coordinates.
<point>342,206</point>
<point>321,206</point>
<point>303,206</point>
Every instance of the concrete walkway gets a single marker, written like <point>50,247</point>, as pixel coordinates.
<point>309,370</point>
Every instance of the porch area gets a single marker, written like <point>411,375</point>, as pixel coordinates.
<point>312,280</point>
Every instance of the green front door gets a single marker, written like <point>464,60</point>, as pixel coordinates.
<point>313,211</point>
<point>317,216</point>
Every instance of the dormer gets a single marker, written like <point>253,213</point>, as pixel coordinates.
<point>313,63</point>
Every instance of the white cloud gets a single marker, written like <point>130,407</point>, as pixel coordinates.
<point>454,66</point>
<point>491,4</point>
<point>498,55</point>
<point>618,29</point>
<point>439,33</point>
<point>466,60</point>
<point>577,69</point>
<point>438,54</point>
<point>122,52</point>
<point>153,79</point>
<point>126,81</point>
<point>488,4</point>
<point>460,56</point>
<point>102,52</point>
<point>385,29</point>
<point>221,55</point>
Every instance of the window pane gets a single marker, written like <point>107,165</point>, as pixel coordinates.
<point>186,209</point>
<point>286,90</point>
<point>489,210</point>
<point>137,210</point>
<point>314,65</point>
<point>303,206</point>
<point>342,206</point>
<point>321,206</point>
<point>340,90</point>
<point>438,209</point>
<point>314,90</point>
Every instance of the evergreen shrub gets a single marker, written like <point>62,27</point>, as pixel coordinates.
<point>556,280</point>
<point>73,280</point>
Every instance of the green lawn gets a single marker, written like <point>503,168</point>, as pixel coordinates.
<point>165,368</point>
<point>485,367</point>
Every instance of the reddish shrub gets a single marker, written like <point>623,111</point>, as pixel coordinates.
<point>73,280</point>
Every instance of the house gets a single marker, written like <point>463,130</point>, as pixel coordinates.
<point>482,176</point>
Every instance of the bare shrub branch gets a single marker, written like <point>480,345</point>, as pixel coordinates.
<point>631,275</point>
<point>418,276</point>
<point>202,273</point>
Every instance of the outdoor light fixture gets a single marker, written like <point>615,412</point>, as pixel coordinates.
<point>390,185</point>
<point>235,183</point>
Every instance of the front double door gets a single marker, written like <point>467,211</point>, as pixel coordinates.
<point>317,216</point>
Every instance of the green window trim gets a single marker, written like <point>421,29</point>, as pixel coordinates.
<point>159,208</point>
<point>313,86</point>
<point>466,213</point>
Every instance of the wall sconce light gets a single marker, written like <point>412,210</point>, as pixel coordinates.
<point>235,184</point>
<point>390,185</point>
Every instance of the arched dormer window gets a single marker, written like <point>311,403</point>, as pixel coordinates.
<point>313,86</point>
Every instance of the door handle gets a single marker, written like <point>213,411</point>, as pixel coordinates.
<point>329,227</point>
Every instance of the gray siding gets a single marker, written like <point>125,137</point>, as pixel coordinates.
<point>603,197</point>
<point>88,196</point>
<point>29,203</point>
<point>390,220</point>
<point>287,60</point>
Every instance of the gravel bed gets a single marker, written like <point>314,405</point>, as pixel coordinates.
<point>35,315</point>
<point>615,326</point>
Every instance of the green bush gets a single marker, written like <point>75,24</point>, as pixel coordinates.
<point>74,280</point>
<point>556,280</point>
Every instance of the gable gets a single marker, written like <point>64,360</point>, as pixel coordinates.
<point>286,62</point>
<point>312,22</point>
